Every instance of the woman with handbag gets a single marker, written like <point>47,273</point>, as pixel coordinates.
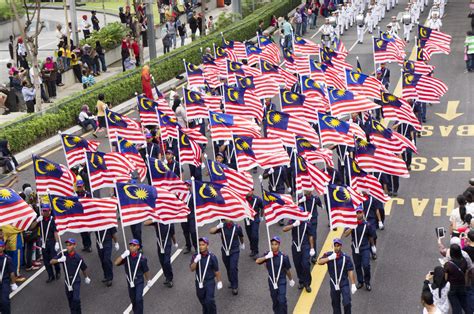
<point>50,72</point>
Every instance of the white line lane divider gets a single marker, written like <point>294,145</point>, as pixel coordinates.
<point>20,287</point>
<point>154,279</point>
<point>355,43</point>
<point>314,35</point>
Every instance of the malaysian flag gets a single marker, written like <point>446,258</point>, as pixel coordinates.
<point>253,54</point>
<point>285,126</point>
<point>374,159</point>
<point>271,53</point>
<point>386,138</point>
<point>74,147</point>
<point>213,102</point>
<point>261,86</point>
<point>14,210</point>
<point>399,43</point>
<point>121,125</point>
<point>343,101</point>
<point>129,150</point>
<point>236,47</point>
<point>239,181</point>
<point>168,126</point>
<point>398,109</point>
<point>361,181</point>
<point>437,41</point>
<point>163,177</point>
<point>311,88</point>
<point>137,203</point>
<point>340,48</point>
<point>189,151</point>
<point>422,87</point>
<point>296,64</point>
<point>313,154</point>
<point>214,201</point>
<point>386,51</point>
<point>222,56</point>
<point>169,208</point>
<point>363,84</point>
<point>334,131</point>
<point>342,203</point>
<point>334,59</point>
<point>309,177</point>
<point>233,69</point>
<point>194,74</point>
<point>76,215</point>
<point>296,105</point>
<point>241,102</point>
<point>195,105</point>
<point>317,71</point>
<point>147,110</point>
<point>52,177</point>
<point>278,74</point>
<point>305,47</point>
<point>104,169</point>
<point>212,71</point>
<point>265,152</point>
<point>418,67</point>
<point>223,125</point>
<point>358,66</point>
<point>281,206</point>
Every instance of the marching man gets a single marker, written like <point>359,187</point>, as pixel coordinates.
<point>407,24</point>
<point>327,33</point>
<point>435,22</point>
<point>395,27</point>
<point>360,27</point>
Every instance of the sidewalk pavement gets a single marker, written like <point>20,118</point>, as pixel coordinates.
<point>115,68</point>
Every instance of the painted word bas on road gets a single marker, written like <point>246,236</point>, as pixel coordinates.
<point>420,206</point>
<point>463,130</point>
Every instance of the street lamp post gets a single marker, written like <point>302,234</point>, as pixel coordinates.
<point>150,29</point>
<point>75,33</point>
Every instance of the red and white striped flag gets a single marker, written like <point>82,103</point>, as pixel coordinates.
<point>74,147</point>
<point>56,178</point>
<point>343,101</point>
<point>189,151</point>
<point>212,102</point>
<point>422,87</point>
<point>104,168</point>
<point>163,177</point>
<point>169,208</point>
<point>305,47</point>
<point>121,125</point>
<point>137,203</point>
<point>223,125</point>
<point>361,181</point>
<point>240,181</point>
<point>77,215</point>
<point>269,152</point>
<point>342,203</point>
<point>418,67</point>
<point>363,84</point>
<point>281,206</point>
<point>387,138</point>
<point>14,210</point>
<point>398,109</point>
<point>309,177</point>
<point>129,150</point>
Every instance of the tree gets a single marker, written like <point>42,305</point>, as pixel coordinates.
<point>30,37</point>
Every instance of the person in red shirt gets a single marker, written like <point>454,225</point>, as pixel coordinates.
<point>136,51</point>
<point>146,82</point>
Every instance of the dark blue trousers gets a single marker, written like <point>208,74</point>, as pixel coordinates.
<point>74,297</point>
<point>252,233</point>
<point>105,256</point>
<point>165,262</point>
<point>362,265</point>
<point>189,232</point>
<point>345,292</point>
<point>136,296</point>
<point>231,263</point>
<point>279,303</point>
<point>302,264</point>
<point>48,254</point>
<point>206,297</point>
<point>5,297</point>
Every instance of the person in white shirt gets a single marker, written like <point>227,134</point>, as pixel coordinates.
<point>86,27</point>
<point>395,26</point>
<point>59,33</point>
<point>436,283</point>
<point>435,22</point>
<point>86,118</point>
<point>428,303</point>
<point>360,27</point>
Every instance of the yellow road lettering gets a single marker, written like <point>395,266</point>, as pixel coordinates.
<point>418,205</point>
<point>442,164</point>
<point>445,130</point>
<point>418,163</point>
<point>438,206</point>
<point>464,162</point>
<point>465,130</point>
<point>388,206</point>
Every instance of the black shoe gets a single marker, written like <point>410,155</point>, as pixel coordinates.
<point>58,275</point>
<point>308,289</point>
<point>187,251</point>
<point>105,280</point>
<point>252,254</point>
<point>368,287</point>
<point>395,194</point>
<point>359,285</point>
<point>374,256</point>
<point>235,291</point>
<point>314,259</point>
<point>300,286</point>
<point>169,284</point>
<point>87,249</point>
<point>109,283</point>
<point>50,279</point>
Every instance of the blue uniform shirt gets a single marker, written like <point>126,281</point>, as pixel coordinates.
<point>212,266</point>
<point>336,268</point>
<point>106,236</point>
<point>304,230</point>
<point>311,204</point>
<point>142,266</point>
<point>370,207</point>
<point>48,228</point>
<point>362,239</point>
<point>232,243</point>
<point>166,231</point>
<point>276,180</point>
<point>8,267</point>
<point>258,207</point>
<point>285,266</point>
<point>72,263</point>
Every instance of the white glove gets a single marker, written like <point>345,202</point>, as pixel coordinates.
<point>302,199</point>
<point>296,223</point>
<point>149,284</point>
<point>292,283</point>
<point>269,255</point>
<point>125,254</point>
<point>39,218</point>
<point>312,252</point>
<point>289,190</point>
<point>203,166</point>
<point>260,178</point>
<point>381,225</point>
<point>271,170</point>
<point>176,245</point>
<point>242,246</point>
<point>117,246</point>
<point>197,258</point>
<point>56,246</point>
<point>62,259</point>
<point>13,286</point>
<point>332,256</point>
<point>219,285</point>
<point>87,281</point>
<point>353,289</point>
<point>220,225</point>
<point>205,156</point>
<point>374,249</point>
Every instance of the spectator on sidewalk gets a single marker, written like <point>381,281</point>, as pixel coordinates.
<point>125,52</point>
<point>298,21</point>
<point>11,44</point>
<point>85,27</point>
<point>193,24</point>
<point>29,93</point>
<point>15,88</point>
<point>146,82</point>
<point>100,106</point>
<point>37,79</point>
<point>8,158</point>
<point>21,52</point>
<point>182,33</point>
<point>95,21</point>
<point>88,79</point>
<point>274,22</point>
<point>49,72</point>
<point>86,118</point>
<point>171,30</point>
<point>469,50</point>
<point>59,33</point>
<point>61,68</point>
<point>261,28</point>
<point>101,54</point>
<point>210,25</point>
<point>76,65</point>
<point>166,40</point>
<point>123,18</point>
<point>136,51</point>
<point>200,24</point>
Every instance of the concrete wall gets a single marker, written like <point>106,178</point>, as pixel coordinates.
<point>6,29</point>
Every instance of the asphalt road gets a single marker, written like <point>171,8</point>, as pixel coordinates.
<point>407,248</point>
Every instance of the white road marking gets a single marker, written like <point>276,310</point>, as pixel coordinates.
<point>314,35</point>
<point>154,279</point>
<point>20,287</point>
<point>355,43</point>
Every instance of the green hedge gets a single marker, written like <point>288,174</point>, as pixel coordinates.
<point>110,36</point>
<point>38,126</point>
